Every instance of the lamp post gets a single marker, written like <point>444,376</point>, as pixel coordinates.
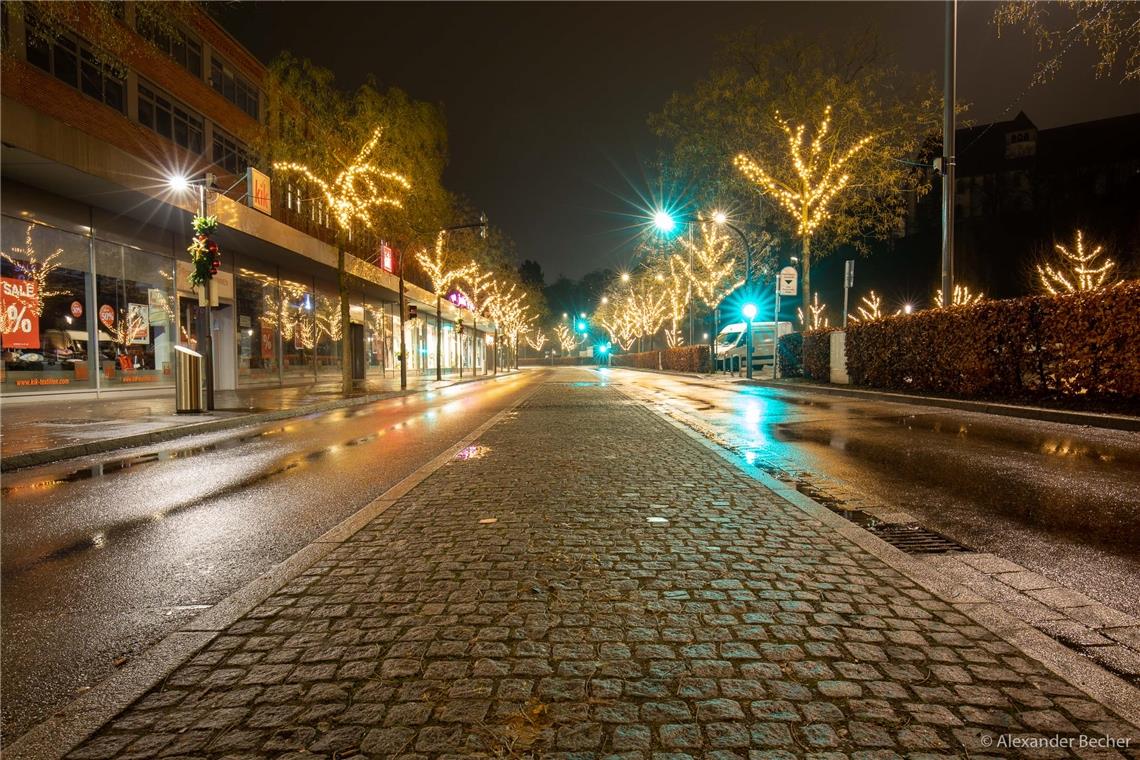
<point>749,312</point>
<point>720,218</point>
<point>203,318</point>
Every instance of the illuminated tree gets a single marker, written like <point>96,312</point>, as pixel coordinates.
<point>444,272</point>
<point>962,297</point>
<point>711,268</point>
<point>475,287</point>
<point>1111,28</point>
<point>30,269</point>
<point>353,195</point>
<point>617,321</point>
<point>567,339</point>
<point>328,318</point>
<point>679,291</point>
<point>537,341</point>
<point>819,173</point>
<point>1076,270</point>
<point>647,304</point>
<point>130,325</point>
<point>818,315</point>
<point>871,308</point>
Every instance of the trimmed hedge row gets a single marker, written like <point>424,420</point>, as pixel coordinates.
<point>1073,345</point>
<point>791,355</point>
<point>817,354</point>
<point>681,359</point>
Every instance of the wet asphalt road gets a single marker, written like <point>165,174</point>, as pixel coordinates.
<point>1063,500</point>
<point>104,556</point>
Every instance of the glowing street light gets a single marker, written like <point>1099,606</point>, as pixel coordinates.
<point>749,312</point>
<point>664,221</point>
<point>625,276</point>
<point>719,217</point>
<point>178,182</point>
<point>605,300</point>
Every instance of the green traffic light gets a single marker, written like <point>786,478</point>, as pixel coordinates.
<point>603,348</point>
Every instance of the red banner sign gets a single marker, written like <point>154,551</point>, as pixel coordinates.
<point>21,323</point>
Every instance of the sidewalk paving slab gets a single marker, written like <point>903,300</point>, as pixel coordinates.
<point>56,429</point>
<point>734,625</point>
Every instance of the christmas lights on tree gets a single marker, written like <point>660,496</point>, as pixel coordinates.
<point>355,193</point>
<point>713,265</point>
<point>679,291</point>
<point>816,177</point>
<point>647,306</point>
<point>818,318</point>
<point>871,308</point>
<point>1076,270</point>
<point>962,297</point>
<point>130,326</point>
<point>328,317</point>
<point>30,269</point>
<point>566,338</point>
<point>537,341</point>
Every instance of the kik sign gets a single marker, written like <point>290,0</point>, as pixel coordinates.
<point>21,322</point>
<point>259,189</point>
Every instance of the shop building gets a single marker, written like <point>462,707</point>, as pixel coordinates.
<point>95,271</point>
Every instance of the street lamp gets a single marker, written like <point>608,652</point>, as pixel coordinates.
<point>749,312</point>
<point>664,221</point>
<point>180,183</point>
<point>625,276</point>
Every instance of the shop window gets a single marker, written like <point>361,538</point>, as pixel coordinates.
<point>73,62</point>
<point>234,87</point>
<point>261,313</point>
<point>183,49</point>
<point>45,339</point>
<point>229,153</point>
<point>169,119</point>
<point>135,310</point>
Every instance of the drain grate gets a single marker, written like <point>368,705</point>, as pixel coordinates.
<point>915,539</point>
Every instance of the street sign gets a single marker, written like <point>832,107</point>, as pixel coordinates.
<point>786,282</point>
<point>849,273</point>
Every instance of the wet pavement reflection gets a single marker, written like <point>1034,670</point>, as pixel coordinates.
<point>102,556</point>
<point>1059,499</point>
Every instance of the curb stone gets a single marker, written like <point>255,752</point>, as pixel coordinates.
<point>78,720</point>
<point>71,451</point>
<point>1040,414</point>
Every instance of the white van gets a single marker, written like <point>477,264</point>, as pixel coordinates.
<point>732,348</point>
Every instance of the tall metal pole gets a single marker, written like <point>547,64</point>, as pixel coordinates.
<point>948,150</point>
<point>403,330</point>
<point>205,322</point>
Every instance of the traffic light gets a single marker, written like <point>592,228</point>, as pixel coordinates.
<point>412,312</point>
<point>603,349</point>
<point>581,326</point>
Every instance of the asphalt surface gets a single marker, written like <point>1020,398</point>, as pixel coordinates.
<point>104,556</point>
<point>1063,500</point>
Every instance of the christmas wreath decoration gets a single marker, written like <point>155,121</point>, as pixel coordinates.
<point>204,252</point>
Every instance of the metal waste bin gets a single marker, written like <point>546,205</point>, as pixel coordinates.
<point>187,381</point>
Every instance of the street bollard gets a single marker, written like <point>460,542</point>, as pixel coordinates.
<point>187,381</point>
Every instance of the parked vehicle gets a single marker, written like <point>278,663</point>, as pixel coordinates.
<point>732,349</point>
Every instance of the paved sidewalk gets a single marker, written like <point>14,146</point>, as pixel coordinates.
<point>59,428</point>
<point>519,603</point>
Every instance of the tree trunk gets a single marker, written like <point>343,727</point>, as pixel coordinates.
<point>438,337</point>
<point>345,325</point>
<point>806,265</point>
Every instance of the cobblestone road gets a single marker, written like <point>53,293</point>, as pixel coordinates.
<point>574,627</point>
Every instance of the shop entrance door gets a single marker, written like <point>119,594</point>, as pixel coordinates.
<point>223,334</point>
<point>356,335</point>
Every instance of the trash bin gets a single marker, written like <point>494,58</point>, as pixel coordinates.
<point>187,381</point>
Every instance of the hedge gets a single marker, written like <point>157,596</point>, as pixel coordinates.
<point>817,354</point>
<point>791,355</point>
<point>1083,345</point>
<point>681,359</point>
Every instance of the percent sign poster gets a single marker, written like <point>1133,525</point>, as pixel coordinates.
<point>21,323</point>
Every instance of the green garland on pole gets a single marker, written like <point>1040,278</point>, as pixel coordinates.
<point>204,252</point>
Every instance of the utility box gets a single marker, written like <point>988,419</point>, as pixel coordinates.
<point>839,358</point>
<point>187,381</point>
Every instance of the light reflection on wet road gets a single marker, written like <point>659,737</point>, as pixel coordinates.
<point>1063,500</point>
<point>104,556</point>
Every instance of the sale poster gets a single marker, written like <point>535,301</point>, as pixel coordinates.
<point>21,322</point>
<point>138,317</point>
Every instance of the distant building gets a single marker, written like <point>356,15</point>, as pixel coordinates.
<point>88,149</point>
<point>1020,190</point>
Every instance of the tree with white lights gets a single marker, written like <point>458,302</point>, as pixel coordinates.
<point>444,269</point>
<point>817,315</point>
<point>963,296</point>
<point>1076,270</point>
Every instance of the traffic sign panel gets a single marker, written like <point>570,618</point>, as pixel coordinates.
<point>786,281</point>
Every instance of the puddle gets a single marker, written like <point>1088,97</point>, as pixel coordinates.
<point>472,452</point>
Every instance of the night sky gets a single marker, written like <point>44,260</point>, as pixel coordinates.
<point>546,103</point>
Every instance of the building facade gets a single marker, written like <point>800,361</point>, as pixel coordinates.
<point>95,272</point>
